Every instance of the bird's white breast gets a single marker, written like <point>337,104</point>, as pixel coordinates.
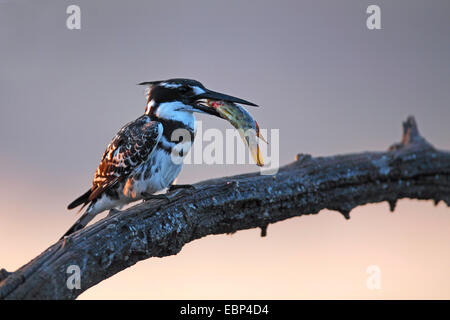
<point>156,174</point>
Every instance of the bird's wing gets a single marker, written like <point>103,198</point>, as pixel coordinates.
<point>131,146</point>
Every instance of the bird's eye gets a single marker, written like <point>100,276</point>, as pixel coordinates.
<point>183,89</point>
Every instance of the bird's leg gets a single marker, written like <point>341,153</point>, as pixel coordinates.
<point>148,196</point>
<point>113,212</point>
<point>180,186</point>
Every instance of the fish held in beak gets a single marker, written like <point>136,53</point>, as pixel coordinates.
<point>247,127</point>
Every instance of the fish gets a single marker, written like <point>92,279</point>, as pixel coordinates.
<point>247,127</point>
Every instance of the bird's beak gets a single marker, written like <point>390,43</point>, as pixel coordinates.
<point>217,96</point>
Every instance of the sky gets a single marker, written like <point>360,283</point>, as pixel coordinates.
<point>321,77</point>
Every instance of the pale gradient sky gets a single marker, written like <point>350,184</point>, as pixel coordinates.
<point>329,84</point>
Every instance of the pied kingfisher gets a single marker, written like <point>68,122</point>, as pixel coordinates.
<point>142,158</point>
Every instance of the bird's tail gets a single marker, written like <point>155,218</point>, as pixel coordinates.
<point>82,222</point>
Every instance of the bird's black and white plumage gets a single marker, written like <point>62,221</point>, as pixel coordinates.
<point>143,157</point>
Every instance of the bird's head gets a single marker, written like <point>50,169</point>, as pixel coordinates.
<point>167,98</point>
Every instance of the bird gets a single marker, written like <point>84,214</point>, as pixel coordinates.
<point>142,158</point>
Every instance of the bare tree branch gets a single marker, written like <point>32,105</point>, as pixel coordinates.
<point>410,169</point>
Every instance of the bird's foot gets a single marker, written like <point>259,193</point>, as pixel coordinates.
<point>113,212</point>
<point>148,196</point>
<point>173,187</point>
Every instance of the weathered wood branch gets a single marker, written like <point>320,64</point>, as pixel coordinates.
<point>410,169</point>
